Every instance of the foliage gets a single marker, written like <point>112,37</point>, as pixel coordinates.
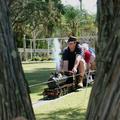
<point>36,59</point>
<point>45,15</point>
<point>35,18</point>
<point>78,19</point>
<point>47,18</point>
<point>42,58</point>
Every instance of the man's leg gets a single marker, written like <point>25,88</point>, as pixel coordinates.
<point>81,69</point>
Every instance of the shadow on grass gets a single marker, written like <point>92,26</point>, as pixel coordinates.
<point>66,114</point>
<point>38,76</point>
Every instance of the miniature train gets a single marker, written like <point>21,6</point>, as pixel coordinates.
<point>60,84</point>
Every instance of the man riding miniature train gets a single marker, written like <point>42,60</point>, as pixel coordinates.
<point>75,59</point>
<point>72,60</point>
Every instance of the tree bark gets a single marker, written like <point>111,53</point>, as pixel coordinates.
<point>14,97</point>
<point>104,103</point>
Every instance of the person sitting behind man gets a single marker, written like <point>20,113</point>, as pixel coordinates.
<point>72,60</point>
<point>89,56</point>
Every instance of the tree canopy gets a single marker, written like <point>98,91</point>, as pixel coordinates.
<point>47,18</point>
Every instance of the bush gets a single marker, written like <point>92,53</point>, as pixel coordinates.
<point>43,58</point>
<point>36,59</point>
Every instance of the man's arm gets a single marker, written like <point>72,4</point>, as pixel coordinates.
<point>77,62</point>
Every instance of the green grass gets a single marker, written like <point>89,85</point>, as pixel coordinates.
<point>70,107</point>
<point>38,73</point>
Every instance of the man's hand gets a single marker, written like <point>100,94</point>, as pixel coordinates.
<point>74,70</point>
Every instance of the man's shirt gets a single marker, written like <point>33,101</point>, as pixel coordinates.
<point>71,56</point>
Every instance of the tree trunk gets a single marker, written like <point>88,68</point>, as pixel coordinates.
<point>14,97</point>
<point>104,103</point>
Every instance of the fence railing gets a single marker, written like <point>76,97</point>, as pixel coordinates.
<point>33,51</point>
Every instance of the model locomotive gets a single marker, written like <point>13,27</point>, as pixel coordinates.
<point>60,84</point>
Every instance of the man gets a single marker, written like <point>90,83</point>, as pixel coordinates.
<point>72,60</point>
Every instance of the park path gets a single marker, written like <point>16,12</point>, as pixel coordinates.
<point>43,102</point>
<point>40,103</point>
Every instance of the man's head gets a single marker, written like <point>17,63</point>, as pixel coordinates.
<point>72,43</point>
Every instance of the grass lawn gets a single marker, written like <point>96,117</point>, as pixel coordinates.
<point>69,107</point>
<point>38,73</point>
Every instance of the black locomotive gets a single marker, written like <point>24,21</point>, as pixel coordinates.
<point>60,84</point>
